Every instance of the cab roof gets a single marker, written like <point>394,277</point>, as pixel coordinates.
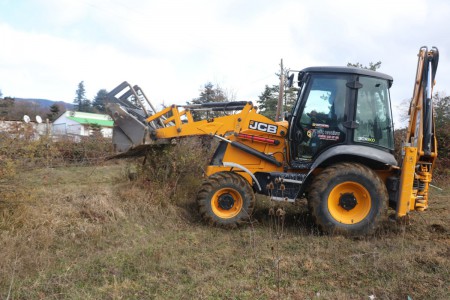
<point>348,70</point>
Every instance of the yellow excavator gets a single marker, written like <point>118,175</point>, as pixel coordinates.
<point>336,147</point>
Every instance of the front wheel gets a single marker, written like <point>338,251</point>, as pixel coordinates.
<point>348,198</point>
<point>225,199</point>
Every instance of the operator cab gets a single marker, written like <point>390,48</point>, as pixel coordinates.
<point>340,106</point>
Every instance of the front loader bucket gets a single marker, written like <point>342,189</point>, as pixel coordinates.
<point>128,131</point>
<point>129,112</point>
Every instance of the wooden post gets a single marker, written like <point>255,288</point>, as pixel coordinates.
<point>280,95</point>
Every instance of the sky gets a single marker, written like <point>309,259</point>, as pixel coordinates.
<point>172,48</point>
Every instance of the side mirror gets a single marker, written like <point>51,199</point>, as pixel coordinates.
<point>302,77</point>
<point>290,80</point>
<point>287,116</point>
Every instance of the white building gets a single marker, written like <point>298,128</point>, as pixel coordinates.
<point>81,123</point>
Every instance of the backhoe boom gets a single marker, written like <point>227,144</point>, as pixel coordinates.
<point>420,151</point>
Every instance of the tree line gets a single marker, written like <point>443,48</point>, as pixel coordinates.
<point>11,109</point>
<point>266,102</point>
<point>83,104</point>
<point>268,99</point>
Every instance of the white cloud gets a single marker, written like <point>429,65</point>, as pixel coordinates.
<point>53,66</point>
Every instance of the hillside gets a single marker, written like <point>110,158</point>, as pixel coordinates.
<point>44,103</point>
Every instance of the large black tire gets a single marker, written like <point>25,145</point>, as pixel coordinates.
<point>348,198</point>
<point>225,199</point>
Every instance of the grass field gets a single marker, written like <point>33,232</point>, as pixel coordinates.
<point>91,233</point>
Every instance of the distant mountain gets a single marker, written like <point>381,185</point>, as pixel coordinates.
<point>45,103</point>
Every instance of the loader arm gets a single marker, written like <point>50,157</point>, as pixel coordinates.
<point>250,134</point>
<point>420,150</point>
<point>213,126</point>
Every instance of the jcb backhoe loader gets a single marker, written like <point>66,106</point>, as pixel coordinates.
<point>336,147</point>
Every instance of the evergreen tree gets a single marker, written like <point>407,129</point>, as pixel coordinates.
<point>54,112</point>
<point>80,101</point>
<point>6,106</point>
<point>99,101</point>
<point>290,97</point>
<point>80,96</point>
<point>208,94</point>
<point>268,100</point>
<point>87,106</point>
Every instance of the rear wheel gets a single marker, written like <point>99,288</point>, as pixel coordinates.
<point>225,199</point>
<point>348,198</point>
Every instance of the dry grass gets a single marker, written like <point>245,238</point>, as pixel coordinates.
<point>91,233</point>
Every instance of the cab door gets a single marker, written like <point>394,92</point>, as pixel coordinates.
<point>317,120</point>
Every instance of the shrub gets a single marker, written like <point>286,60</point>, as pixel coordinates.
<point>168,167</point>
<point>19,151</point>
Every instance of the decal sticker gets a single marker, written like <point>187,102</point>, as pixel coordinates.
<point>318,125</point>
<point>264,127</point>
<point>324,135</point>
<point>328,135</point>
<point>366,139</point>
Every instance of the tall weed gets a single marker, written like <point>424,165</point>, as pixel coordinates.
<point>175,170</point>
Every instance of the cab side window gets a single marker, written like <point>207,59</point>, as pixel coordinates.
<point>373,113</point>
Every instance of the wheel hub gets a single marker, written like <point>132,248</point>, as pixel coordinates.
<point>347,201</point>
<point>226,201</point>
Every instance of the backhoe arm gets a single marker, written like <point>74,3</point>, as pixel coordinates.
<point>420,151</point>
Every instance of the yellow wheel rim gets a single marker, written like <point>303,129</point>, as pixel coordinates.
<point>349,203</point>
<point>226,203</point>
